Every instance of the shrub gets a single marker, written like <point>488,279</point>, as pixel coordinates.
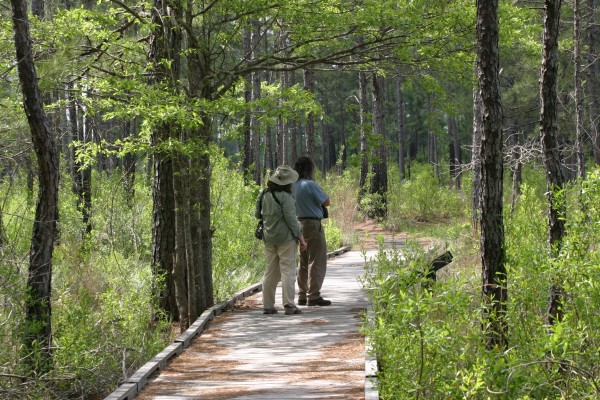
<point>421,199</point>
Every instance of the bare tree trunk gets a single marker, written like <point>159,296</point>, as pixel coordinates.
<point>548,127</point>
<point>269,159</point>
<point>379,168</point>
<point>129,163</point>
<point>309,86</point>
<point>248,158</point>
<point>516,168</point>
<point>476,158</point>
<point>364,148</point>
<point>38,309</point>
<point>401,128</point>
<point>579,129</point>
<point>593,78</point>
<point>492,221</point>
<point>282,136</point>
<point>292,126</point>
<point>343,149</point>
<point>256,94</point>
<point>85,195</point>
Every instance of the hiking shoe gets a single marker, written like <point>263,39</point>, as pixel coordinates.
<point>270,311</point>
<point>301,302</point>
<point>319,302</point>
<point>291,310</point>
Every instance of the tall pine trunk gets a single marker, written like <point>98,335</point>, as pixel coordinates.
<point>491,219</point>
<point>593,77</point>
<point>38,309</point>
<point>555,180</point>
<point>401,128</point>
<point>364,148</point>
<point>379,165</point>
<point>309,86</point>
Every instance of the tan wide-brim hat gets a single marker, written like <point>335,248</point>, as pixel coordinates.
<point>284,175</point>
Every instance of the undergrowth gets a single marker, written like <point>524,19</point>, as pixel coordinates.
<point>428,335</point>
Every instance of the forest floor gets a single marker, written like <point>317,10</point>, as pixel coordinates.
<point>369,233</point>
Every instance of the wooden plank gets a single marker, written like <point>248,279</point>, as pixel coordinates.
<point>195,329</point>
<point>126,391</point>
<point>371,392</point>
<point>171,350</point>
<point>140,377</point>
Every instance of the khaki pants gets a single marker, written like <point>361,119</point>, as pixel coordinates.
<point>281,266</point>
<point>313,261</point>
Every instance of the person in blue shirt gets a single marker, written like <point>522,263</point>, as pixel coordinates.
<point>282,234</point>
<point>310,199</point>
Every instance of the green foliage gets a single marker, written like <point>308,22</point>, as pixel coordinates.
<point>423,338</point>
<point>333,235</point>
<point>421,199</point>
<point>343,212</point>
<point>238,259</point>
<point>428,338</point>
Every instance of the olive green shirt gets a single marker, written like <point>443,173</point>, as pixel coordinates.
<point>280,221</point>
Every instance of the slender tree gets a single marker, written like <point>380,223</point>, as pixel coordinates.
<point>555,180</point>
<point>364,155</point>
<point>309,86</point>
<point>577,59</point>
<point>593,77</point>
<point>379,184</point>
<point>491,218</point>
<point>38,309</point>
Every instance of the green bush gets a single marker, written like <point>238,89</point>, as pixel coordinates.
<point>238,258</point>
<point>421,199</point>
<point>428,338</point>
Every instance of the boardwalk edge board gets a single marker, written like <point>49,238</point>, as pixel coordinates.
<point>338,252</point>
<point>138,380</point>
<point>195,329</point>
<point>126,391</point>
<point>371,369</point>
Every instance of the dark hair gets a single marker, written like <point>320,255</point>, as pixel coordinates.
<point>305,167</point>
<point>274,187</point>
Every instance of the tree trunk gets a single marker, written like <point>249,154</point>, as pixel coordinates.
<point>401,128</point>
<point>85,195</point>
<point>593,78</point>
<point>579,129</point>
<point>38,310</point>
<point>379,169</point>
<point>548,127</point>
<point>292,126</point>
<point>309,86</point>
<point>476,158</point>
<point>491,222</point>
<point>248,159</point>
<point>364,148</point>
<point>180,268</point>
<point>282,136</point>
<point>516,168</point>
<point>162,47</point>
<point>456,159</point>
<point>130,129</point>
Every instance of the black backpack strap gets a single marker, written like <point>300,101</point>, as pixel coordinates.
<point>260,201</point>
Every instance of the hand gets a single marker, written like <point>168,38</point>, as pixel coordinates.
<point>303,245</point>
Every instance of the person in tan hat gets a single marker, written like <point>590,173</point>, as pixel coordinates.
<point>281,235</point>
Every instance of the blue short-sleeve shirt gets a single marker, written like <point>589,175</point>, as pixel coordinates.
<point>309,198</point>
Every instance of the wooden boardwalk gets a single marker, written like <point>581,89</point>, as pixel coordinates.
<point>244,354</point>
